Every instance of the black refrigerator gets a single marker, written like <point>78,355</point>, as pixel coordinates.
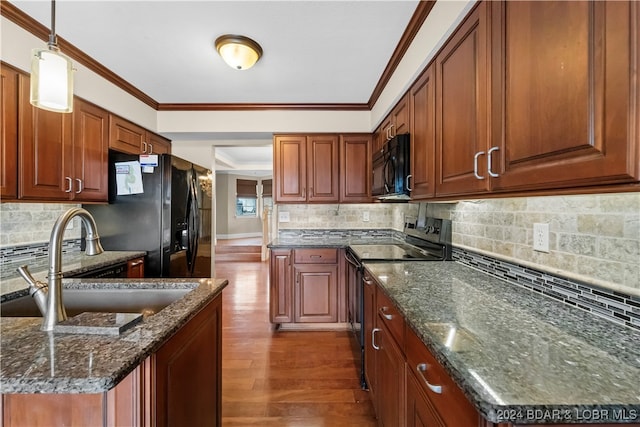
<point>170,219</point>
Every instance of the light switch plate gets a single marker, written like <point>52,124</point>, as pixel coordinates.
<point>283,216</point>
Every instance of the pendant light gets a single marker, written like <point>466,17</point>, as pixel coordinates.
<point>239,52</point>
<point>51,75</point>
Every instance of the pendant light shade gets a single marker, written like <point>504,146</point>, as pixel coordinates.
<point>51,75</point>
<point>239,52</point>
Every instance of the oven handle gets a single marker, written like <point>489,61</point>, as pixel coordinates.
<point>352,260</point>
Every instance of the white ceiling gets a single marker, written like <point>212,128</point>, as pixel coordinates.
<point>314,51</point>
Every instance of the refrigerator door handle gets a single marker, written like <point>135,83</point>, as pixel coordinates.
<point>192,227</point>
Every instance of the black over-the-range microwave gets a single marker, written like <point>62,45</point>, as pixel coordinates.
<point>392,170</point>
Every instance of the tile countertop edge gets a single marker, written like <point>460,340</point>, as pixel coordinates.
<point>179,312</point>
<point>520,414</point>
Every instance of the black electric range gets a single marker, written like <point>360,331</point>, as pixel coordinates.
<point>426,239</point>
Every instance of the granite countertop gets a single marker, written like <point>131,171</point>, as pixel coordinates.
<point>14,286</point>
<point>526,358</point>
<point>33,361</point>
<point>331,241</point>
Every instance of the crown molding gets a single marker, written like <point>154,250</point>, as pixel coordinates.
<point>248,107</point>
<point>29,24</point>
<point>419,16</point>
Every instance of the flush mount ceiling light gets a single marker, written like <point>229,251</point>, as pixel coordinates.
<point>238,52</point>
<point>51,75</point>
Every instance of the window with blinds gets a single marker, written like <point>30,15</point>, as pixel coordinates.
<point>246,198</point>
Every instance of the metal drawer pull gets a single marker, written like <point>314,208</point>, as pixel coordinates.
<point>315,256</point>
<point>367,281</point>
<point>421,368</point>
<point>475,164</point>
<point>79,186</point>
<point>136,263</point>
<point>491,173</point>
<point>373,338</point>
<point>70,182</point>
<point>386,316</point>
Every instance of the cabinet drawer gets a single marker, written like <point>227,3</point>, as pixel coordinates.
<point>390,316</point>
<point>316,256</point>
<point>449,401</point>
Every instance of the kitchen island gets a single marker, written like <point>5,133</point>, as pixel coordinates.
<point>518,357</point>
<point>68,372</point>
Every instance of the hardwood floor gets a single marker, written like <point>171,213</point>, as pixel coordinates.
<point>273,378</point>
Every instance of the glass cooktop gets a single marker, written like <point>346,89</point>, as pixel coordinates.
<point>393,252</point>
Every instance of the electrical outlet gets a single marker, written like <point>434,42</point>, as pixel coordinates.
<point>283,216</point>
<point>365,216</point>
<point>541,237</point>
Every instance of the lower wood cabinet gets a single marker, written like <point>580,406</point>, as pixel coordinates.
<point>307,286</point>
<point>179,385</point>
<point>420,413</point>
<point>135,268</point>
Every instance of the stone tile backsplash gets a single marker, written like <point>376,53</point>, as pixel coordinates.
<point>347,216</point>
<point>592,238</point>
<point>28,223</point>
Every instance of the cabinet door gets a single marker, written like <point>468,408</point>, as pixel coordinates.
<point>379,138</point>
<point>9,132</point>
<point>370,335</point>
<point>280,286</point>
<point>322,173</point>
<point>157,144</point>
<point>90,152</point>
<point>461,107</point>
<point>401,117</point>
<point>316,293</point>
<point>135,268</point>
<point>563,114</point>
<point>45,153</point>
<point>419,410</point>
<point>290,168</point>
<point>423,152</point>
<point>188,372</point>
<point>125,136</point>
<point>390,387</point>
<point>355,165</point>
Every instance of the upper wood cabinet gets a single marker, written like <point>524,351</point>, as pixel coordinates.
<point>564,86</point>
<point>423,114</point>
<point>45,151</point>
<point>9,86</point>
<point>355,168</point>
<point>306,168</point>
<point>90,151</point>
<point>397,122</point>
<point>323,168</point>
<point>130,138</point>
<point>290,168</point>
<point>461,106</point>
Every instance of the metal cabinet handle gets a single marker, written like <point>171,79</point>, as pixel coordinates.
<point>408,185</point>
<point>367,281</point>
<point>315,256</point>
<point>144,147</point>
<point>69,184</point>
<point>491,173</point>
<point>386,316</point>
<point>421,368</point>
<point>136,263</point>
<point>150,148</point>
<point>391,132</point>
<point>80,188</point>
<point>298,277</point>
<point>373,338</point>
<point>475,164</point>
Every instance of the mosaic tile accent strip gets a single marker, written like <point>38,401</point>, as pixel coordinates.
<point>617,307</point>
<point>34,250</point>
<point>336,234</point>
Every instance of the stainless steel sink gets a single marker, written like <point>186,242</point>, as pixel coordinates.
<point>76,301</point>
<point>453,337</point>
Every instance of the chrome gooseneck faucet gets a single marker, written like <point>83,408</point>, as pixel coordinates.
<point>49,298</point>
